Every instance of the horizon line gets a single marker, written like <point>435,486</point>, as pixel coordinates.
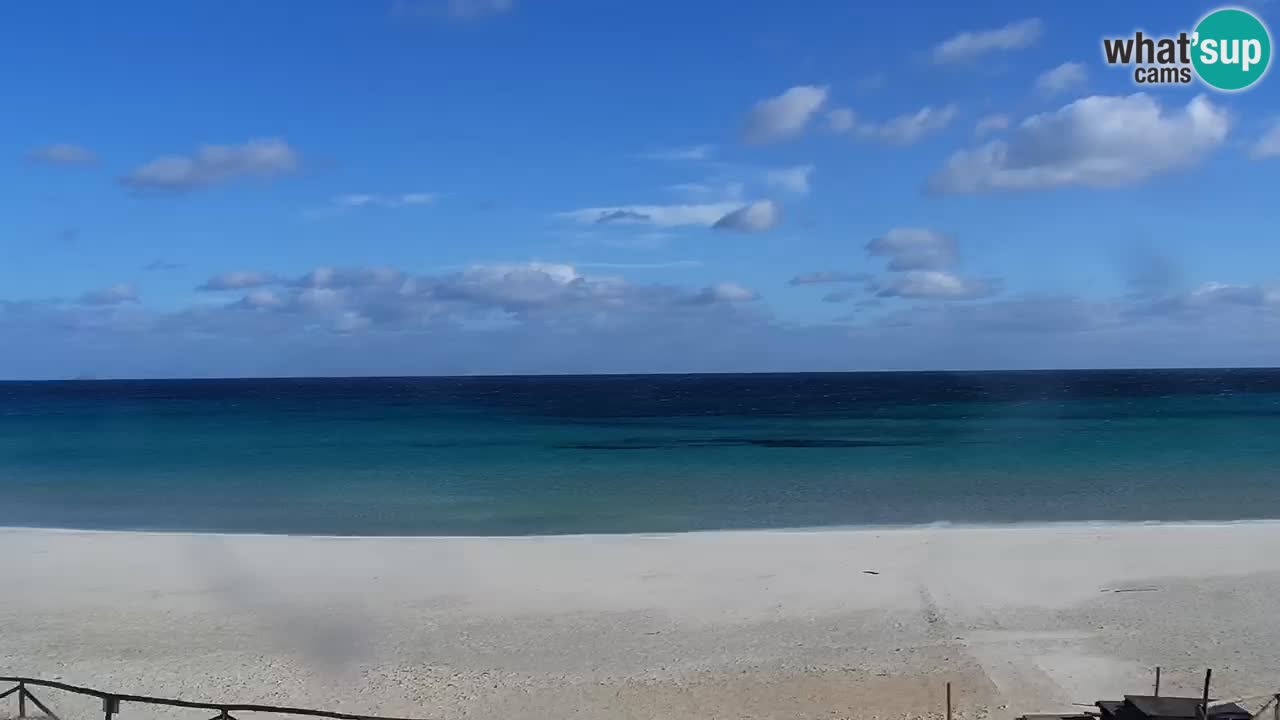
<point>668,373</point>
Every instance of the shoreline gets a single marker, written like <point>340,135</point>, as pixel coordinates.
<point>805,530</point>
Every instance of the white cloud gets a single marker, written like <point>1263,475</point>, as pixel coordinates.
<point>705,214</point>
<point>212,164</point>
<point>328,277</point>
<point>416,198</point>
<point>825,277</point>
<point>727,292</point>
<point>723,188</point>
<point>905,129</point>
<point>1016,319</point>
<point>237,280</point>
<point>262,298</point>
<point>934,285</point>
<point>523,288</point>
<point>688,153</point>
<point>1216,292</point>
<point>783,116</point>
<point>366,298</point>
<point>1267,146</point>
<point>990,123</point>
<point>910,128</point>
<point>841,120</point>
<point>909,248</point>
<point>558,273</point>
<point>114,295</point>
<point>321,288</point>
<point>1062,79</point>
<point>736,183</point>
<point>514,286</point>
<point>319,298</point>
<point>756,217</point>
<point>1099,141</point>
<point>601,324</point>
<point>669,265</point>
<point>689,188</point>
<point>792,179</point>
<point>968,46</point>
<point>364,200</point>
<point>62,154</point>
<point>920,267</point>
<point>701,191</point>
<point>349,321</point>
<point>1208,298</point>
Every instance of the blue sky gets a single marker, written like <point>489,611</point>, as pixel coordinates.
<point>495,186</point>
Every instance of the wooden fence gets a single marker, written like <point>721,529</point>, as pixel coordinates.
<point>111,702</point>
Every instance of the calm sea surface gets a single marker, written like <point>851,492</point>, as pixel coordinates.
<point>500,456</point>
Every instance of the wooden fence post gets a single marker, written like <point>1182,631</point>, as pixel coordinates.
<point>1204,704</point>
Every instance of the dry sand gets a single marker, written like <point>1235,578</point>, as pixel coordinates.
<point>705,625</point>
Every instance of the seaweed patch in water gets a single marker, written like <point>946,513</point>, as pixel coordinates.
<point>647,444</point>
<point>821,443</point>
<point>608,446</point>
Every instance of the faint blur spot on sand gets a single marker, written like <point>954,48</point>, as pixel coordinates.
<point>330,634</point>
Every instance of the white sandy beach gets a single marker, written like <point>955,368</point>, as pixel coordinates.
<point>724,624</point>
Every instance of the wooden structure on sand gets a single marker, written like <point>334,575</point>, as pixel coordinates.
<point>1154,707</point>
<point>1164,707</point>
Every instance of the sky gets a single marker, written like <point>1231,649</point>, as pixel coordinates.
<point>420,187</point>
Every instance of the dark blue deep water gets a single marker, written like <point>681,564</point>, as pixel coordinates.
<point>523,455</point>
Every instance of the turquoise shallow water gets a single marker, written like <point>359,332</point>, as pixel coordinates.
<point>502,456</point>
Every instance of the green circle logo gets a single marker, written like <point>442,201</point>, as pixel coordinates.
<point>1232,49</point>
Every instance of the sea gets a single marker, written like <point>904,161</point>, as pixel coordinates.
<point>500,456</point>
